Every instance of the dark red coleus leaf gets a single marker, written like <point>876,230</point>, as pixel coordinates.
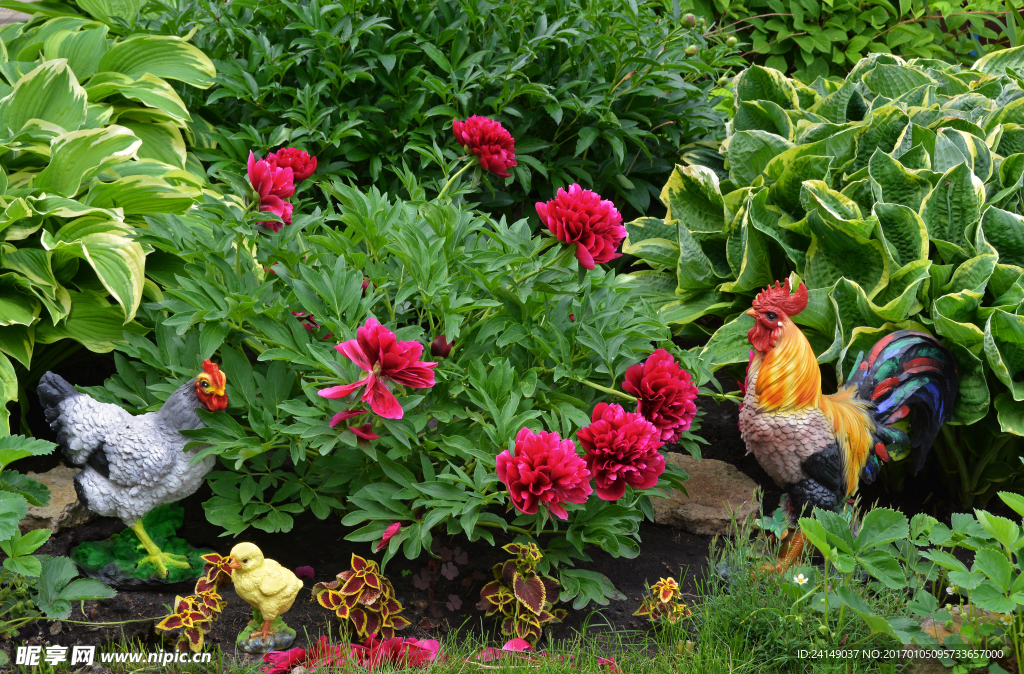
<point>530,592</point>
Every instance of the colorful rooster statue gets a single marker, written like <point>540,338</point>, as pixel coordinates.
<point>819,447</point>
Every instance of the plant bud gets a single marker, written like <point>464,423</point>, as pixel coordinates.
<point>689,21</point>
<point>723,80</point>
<point>732,42</point>
<point>440,347</point>
<point>691,50</point>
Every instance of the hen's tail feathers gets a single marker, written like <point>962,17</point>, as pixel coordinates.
<point>907,376</point>
<point>53,390</point>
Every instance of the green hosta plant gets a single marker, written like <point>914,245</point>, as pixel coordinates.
<point>895,195</point>
<point>92,138</point>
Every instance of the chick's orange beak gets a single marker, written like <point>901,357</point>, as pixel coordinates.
<point>234,565</point>
<point>751,312</point>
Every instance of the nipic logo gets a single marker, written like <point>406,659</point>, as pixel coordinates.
<point>33,656</point>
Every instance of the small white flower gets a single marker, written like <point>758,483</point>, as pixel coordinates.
<point>800,579</point>
<point>951,589</point>
<point>1006,618</point>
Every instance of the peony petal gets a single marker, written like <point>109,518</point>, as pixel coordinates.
<point>352,350</point>
<point>342,416</point>
<point>382,401</point>
<point>342,391</point>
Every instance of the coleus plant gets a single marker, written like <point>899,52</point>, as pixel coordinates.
<point>663,603</point>
<point>895,195</point>
<point>522,597</point>
<point>193,616</point>
<point>344,411</point>
<point>363,597</point>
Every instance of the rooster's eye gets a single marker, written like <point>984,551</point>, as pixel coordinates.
<point>771,316</point>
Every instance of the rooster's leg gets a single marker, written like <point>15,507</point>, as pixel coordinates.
<point>791,548</point>
<point>161,560</point>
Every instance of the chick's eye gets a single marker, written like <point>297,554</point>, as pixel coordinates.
<point>245,561</point>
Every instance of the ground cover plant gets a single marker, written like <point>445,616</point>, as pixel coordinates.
<point>894,196</point>
<point>812,39</point>
<point>594,93</point>
<point>93,140</point>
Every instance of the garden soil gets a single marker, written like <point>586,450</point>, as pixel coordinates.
<point>439,598</point>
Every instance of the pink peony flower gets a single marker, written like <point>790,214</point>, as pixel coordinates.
<point>301,164</point>
<point>389,533</point>
<point>377,351</point>
<point>304,572</point>
<point>273,185</point>
<point>622,448</point>
<point>489,141</point>
<point>665,393</point>
<point>583,218</point>
<point>545,469</point>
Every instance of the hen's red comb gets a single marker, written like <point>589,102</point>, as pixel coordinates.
<point>779,298</point>
<point>216,376</point>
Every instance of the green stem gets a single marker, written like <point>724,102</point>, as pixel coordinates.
<point>721,397</point>
<point>566,252</point>
<point>605,389</point>
<point>444,190</point>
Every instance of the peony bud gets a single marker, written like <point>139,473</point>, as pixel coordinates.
<point>440,347</point>
<point>732,42</point>
<point>689,21</point>
<point>691,50</point>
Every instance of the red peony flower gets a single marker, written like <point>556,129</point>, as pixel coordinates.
<point>389,533</point>
<point>273,185</point>
<point>377,351</point>
<point>582,217</point>
<point>489,141</point>
<point>301,164</point>
<point>665,393</point>
<point>441,347</point>
<point>622,448</point>
<point>545,469</point>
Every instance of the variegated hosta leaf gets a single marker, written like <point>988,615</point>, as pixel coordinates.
<point>8,392</point>
<point>50,93</point>
<point>164,56</point>
<point>93,322</point>
<point>119,262</point>
<point>83,49</point>
<point>79,154</point>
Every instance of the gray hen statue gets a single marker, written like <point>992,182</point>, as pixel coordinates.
<point>133,463</point>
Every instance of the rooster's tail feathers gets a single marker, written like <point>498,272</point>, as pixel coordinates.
<point>908,376</point>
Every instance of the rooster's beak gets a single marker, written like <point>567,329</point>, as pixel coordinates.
<point>751,313</point>
<point>234,565</point>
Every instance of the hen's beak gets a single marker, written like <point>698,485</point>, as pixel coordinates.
<point>234,565</point>
<point>751,312</point>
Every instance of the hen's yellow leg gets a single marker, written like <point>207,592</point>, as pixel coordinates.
<point>161,560</point>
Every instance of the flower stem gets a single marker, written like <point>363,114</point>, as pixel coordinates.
<point>609,391</point>
<point>444,190</point>
<point>720,397</point>
<point>567,251</point>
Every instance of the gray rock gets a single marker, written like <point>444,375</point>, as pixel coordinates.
<point>64,510</point>
<point>715,489</point>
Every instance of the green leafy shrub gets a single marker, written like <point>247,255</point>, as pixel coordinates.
<point>600,94</point>
<point>536,343</point>
<point>895,196</point>
<point>32,586</point>
<point>920,557</point>
<point>93,138</point>
<point>822,39</point>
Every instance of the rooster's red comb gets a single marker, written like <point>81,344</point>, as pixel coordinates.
<point>779,298</point>
<point>216,376</point>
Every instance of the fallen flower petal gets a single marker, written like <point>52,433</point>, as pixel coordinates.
<point>304,572</point>
<point>517,645</point>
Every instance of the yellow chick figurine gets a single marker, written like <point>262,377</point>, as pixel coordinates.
<point>263,583</point>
